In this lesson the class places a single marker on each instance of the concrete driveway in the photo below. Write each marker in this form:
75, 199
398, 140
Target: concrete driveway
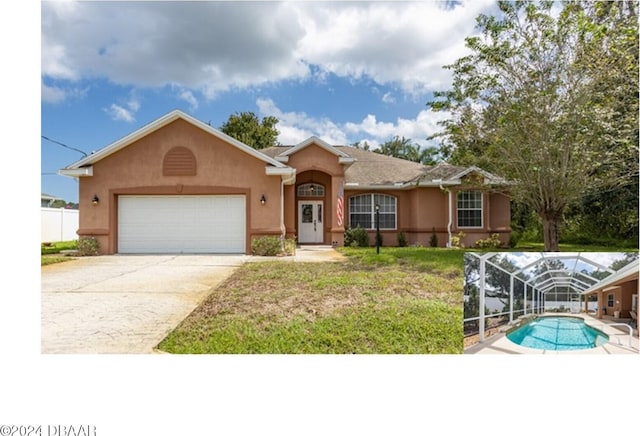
124, 304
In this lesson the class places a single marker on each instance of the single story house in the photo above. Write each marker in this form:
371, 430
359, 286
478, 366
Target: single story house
47, 200
178, 185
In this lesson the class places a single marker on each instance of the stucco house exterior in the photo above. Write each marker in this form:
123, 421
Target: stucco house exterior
617, 294
178, 185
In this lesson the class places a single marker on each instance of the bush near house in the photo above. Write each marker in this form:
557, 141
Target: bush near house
88, 246
356, 237
272, 246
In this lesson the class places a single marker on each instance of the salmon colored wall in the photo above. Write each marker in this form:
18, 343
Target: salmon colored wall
496, 218
627, 289
423, 211
617, 301
315, 164
314, 157
137, 169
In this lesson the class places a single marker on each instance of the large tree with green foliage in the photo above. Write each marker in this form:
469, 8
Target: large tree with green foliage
549, 100
247, 128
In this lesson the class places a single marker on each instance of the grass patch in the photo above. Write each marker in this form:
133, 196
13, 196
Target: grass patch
50, 253
57, 247
406, 302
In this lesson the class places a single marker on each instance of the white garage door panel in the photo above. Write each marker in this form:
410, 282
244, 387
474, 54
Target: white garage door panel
181, 224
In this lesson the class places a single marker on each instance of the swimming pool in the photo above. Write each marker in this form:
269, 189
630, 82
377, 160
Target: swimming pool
558, 333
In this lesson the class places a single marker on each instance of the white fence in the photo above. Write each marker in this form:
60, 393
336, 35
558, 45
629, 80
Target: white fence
58, 224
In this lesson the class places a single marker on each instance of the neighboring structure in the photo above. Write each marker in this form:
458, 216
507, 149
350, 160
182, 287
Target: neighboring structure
179, 185
47, 200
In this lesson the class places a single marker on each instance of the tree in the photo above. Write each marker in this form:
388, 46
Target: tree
362, 145
247, 128
533, 103
404, 148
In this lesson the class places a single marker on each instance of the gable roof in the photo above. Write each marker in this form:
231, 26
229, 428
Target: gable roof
77, 168
454, 173
343, 157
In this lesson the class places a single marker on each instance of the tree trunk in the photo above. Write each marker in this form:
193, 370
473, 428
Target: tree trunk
550, 230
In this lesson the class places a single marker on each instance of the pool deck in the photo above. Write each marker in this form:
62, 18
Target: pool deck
618, 341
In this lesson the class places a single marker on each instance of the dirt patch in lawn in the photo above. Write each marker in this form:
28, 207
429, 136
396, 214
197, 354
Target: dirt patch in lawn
282, 291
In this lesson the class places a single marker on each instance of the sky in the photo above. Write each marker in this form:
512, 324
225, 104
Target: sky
342, 71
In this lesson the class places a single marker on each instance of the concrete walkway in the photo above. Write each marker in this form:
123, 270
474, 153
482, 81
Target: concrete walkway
128, 303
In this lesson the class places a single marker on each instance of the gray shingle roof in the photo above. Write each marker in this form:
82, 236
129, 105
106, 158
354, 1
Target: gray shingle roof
370, 169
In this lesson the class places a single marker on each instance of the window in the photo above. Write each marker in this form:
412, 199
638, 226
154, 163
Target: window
310, 190
610, 300
362, 211
470, 209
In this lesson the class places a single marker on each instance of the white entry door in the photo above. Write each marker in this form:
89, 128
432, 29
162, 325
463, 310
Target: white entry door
310, 228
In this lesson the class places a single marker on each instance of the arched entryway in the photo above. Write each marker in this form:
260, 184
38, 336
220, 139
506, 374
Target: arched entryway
313, 207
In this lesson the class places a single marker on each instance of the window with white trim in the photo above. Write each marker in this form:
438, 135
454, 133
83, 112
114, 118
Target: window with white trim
469, 209
310, 190
610, 298
362, 211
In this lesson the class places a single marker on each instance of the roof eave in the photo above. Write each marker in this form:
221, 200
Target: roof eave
76, 172
161, 122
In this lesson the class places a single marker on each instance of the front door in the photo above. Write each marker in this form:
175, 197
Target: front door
310, 229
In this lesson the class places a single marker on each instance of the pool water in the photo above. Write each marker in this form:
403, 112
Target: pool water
558, 333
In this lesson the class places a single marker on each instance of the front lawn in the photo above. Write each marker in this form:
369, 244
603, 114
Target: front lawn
51, 252
404, 300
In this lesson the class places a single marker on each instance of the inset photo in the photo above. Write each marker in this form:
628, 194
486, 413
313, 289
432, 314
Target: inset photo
551, 303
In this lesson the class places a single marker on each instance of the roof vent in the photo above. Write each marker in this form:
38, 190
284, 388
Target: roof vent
179, 161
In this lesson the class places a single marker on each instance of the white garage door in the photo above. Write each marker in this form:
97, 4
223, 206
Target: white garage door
181, 224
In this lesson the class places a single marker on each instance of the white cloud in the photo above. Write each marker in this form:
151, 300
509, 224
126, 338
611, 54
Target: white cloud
118, 113
417, 129
133, 105
188, 96
388, 98
52, 94
295, 127
212, 47
125, 111
58, 94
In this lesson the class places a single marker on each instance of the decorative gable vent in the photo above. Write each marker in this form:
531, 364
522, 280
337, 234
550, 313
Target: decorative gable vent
179, 161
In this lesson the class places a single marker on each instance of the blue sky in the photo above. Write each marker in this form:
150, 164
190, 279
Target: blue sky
345, 72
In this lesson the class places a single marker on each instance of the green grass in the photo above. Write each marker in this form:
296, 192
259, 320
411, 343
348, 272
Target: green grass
50, 252
405, 301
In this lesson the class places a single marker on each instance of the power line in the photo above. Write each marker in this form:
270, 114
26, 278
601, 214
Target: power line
64, 145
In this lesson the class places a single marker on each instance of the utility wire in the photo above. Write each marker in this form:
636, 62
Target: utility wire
64, 145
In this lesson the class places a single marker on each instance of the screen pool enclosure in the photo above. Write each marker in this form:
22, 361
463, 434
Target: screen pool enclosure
509, 285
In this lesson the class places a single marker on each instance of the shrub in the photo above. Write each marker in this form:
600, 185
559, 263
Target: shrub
273, 246
289, 247
402, 240
433, 241
88, 246
491, 242
514, 238
266, 246
457, 240
356, 237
